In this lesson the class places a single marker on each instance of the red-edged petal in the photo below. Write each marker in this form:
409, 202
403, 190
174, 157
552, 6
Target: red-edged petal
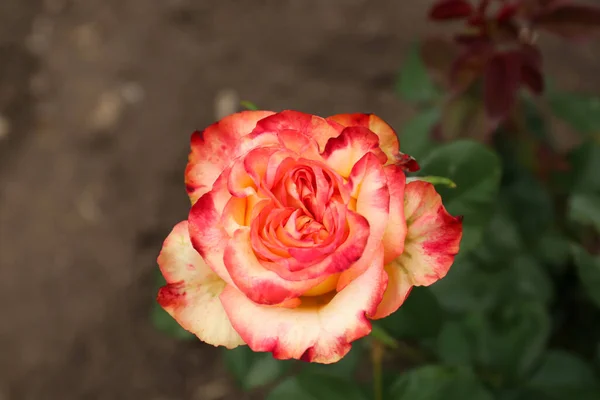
342, 152
320, 330
207, 231
192, 290
450, 9
433, 236
370, 189
397, 291
259, 284
388, 139
395, 232
309, 125
213, 149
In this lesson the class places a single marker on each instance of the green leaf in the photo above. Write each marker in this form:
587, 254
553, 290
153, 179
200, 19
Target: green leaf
248, 105
476, 171
512, 338
434, 180
414, 83
415, 138
252, 369
453, 345
588, 270
166, 324
563, 375
553, 249
439, 383
581, 111
584, 208
419, 317
316, 387
585, 161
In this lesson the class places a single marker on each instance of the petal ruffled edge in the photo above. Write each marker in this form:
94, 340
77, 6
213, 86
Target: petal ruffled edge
388, 140
320, 330
191, 295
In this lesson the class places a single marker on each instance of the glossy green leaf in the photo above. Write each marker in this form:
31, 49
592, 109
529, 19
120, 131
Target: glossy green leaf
588, 270
316, 387
476, 171
584, 208
415, 138
562, 375
453, 345
581, 111
252, 369
419, 317
439, 383
414, 83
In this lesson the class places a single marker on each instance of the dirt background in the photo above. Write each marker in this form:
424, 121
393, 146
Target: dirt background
97, 102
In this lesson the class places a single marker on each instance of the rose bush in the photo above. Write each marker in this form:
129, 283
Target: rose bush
301, 230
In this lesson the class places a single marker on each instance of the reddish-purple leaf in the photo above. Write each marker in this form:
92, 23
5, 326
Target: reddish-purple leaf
533, 79
450, 9
569, 20
506, 13
502, 77
531, 75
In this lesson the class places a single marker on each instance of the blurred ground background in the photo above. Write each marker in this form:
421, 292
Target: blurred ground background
97, 102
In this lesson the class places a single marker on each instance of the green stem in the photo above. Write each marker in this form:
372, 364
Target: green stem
377, 349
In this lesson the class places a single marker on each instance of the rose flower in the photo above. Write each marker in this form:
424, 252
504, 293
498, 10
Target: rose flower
301, 230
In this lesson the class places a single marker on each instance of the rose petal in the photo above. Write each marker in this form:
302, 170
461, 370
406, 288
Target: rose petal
370, 189
397, 291
259, 284
207, 233
192, 290
312, 332
395, 232
433, 236
213, 149
388, 140
312, 126
342, 152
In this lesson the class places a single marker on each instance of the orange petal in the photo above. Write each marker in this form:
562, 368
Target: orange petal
192, 290
388, 140
259, 284
320, 330
395, 294
213, 149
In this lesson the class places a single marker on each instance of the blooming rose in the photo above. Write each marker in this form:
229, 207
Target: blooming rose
301, 230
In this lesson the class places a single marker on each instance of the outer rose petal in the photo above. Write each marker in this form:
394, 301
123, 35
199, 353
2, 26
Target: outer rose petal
192, 290
312, 332
433, 236
397, 291
395, 232
313, 126
214, 148
388, 140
